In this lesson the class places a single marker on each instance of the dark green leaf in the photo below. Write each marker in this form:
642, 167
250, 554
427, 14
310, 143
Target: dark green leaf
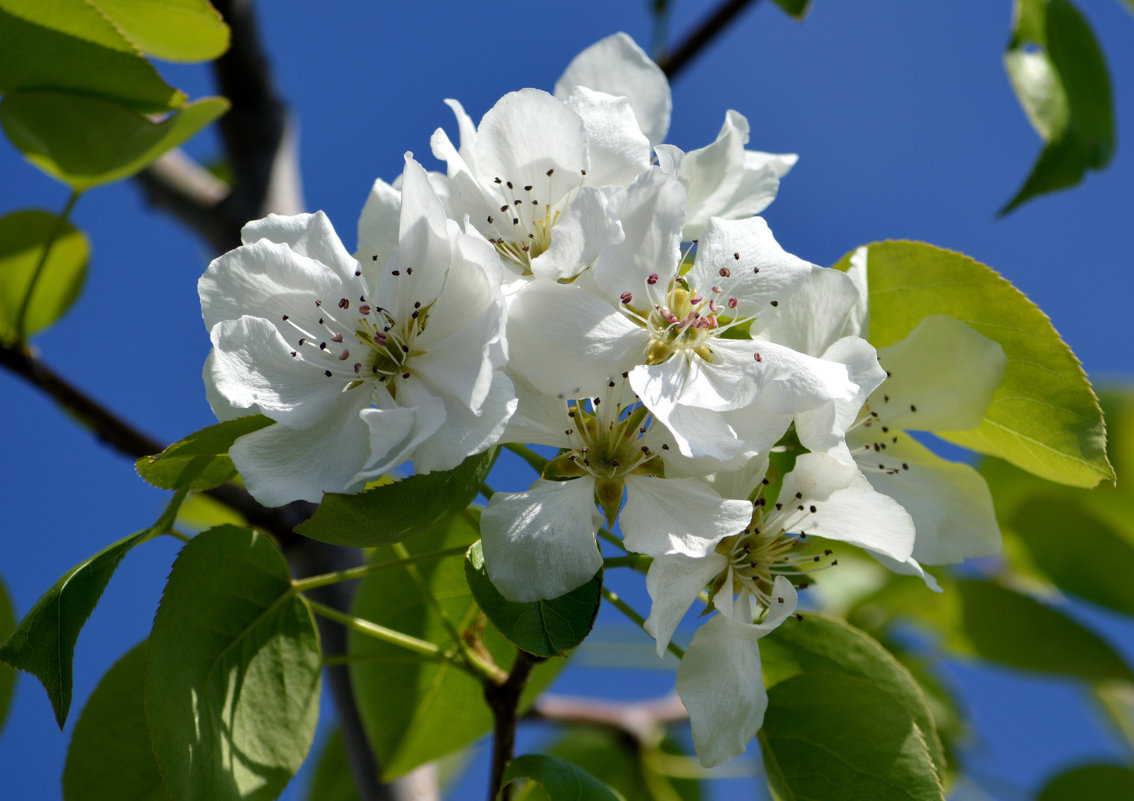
44, 643
393, 512
1044, 417
332, 780
1011, 628
1060, 77
86, 141
561, 780
796, 8
23, 235
7, 674
823, 644
109, 758
437, 707
68, 46
233, 677
831, 735
200, 461
543, 628
1096, 782
174, 30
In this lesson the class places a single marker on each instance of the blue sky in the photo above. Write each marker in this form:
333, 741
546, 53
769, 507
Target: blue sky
906, 128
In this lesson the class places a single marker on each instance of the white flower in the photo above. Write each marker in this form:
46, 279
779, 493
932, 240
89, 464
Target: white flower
361, 365
749, 576
541, 543
679, 335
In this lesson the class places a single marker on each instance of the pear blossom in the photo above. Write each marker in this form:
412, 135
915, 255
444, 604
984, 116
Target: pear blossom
751, 577
541, 543
679, 334
362, 364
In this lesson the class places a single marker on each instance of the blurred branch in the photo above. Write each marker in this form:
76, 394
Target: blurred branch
700, 38
504, 700
642, 720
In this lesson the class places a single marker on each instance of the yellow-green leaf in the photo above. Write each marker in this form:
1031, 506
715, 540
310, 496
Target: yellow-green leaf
174, 30
1045, 417
85, 141
23, 236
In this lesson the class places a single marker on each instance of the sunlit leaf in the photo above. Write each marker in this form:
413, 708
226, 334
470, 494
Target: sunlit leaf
1117, 700
823, 644
7, 674
23, 235
561, 780
543, 628
174, 30
825, 733
437, 708
69, 46
1060, 77
200, 461
233, 677
1044, 417
86, 141
1096, 782
109, 758
392, 512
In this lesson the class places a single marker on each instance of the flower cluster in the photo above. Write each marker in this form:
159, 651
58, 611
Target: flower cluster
572, 282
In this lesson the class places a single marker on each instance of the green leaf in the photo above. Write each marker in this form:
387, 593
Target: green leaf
86, 141
543, 628
561, 780
200, 461
174, 30
233, 677
797, 9
1016, 630
633, 769
1096, 782
332, 780
44, 643
862, 736
437, 707
1058, 72
823, 644
109, 758
392, 512
1117, 701
69, 46
7, 674
23, 235
1045, 417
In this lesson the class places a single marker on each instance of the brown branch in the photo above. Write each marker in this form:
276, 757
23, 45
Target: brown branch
504, 701
641, 720
700, 38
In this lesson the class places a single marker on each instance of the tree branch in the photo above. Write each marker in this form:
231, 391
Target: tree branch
700, 38
504, 701
641, 720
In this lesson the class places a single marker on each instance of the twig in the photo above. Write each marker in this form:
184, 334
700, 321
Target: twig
700, 38
639, 719
504, 700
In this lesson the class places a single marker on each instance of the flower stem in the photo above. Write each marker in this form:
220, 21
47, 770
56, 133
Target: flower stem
631, 613
382, 633
338, 576
504, 701
534, 460
636, 561
25, 304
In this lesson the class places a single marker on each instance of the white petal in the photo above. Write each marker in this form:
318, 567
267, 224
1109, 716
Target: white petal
944, 370
465, 126
617, 147
847, 507
761, 271
825, 427
678, 515
815, 316
949, 502
585, 228
251, 366
394, 432
423, 242
617, 66
566, 341
464, 432
541, 544
378, 224
674, 581
309, 235
281, 464
721, 684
